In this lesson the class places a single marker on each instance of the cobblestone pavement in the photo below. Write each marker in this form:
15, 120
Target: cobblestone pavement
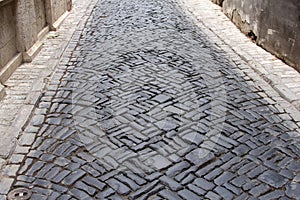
147, 107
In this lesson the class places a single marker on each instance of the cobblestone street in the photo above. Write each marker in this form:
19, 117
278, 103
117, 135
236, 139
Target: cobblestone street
148, 106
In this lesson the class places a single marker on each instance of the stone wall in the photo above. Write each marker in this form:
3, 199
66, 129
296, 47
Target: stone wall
273, 24
22, 25
8, 47
40, 14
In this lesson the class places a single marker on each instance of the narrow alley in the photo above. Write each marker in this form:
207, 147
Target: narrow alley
149, 107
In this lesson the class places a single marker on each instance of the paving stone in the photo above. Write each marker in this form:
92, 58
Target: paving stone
187, 194
171, 183
38, 196
27, 139
196, 189
213, 174
212, 195
58, 188
223, 178
177, 168
35, 167
47, 157
297, 178
256, 171
231, 162
240, 181
166, 194
292, 190
166, 125
194, 138
271, 165
259, 190
273, 179
294, 166
287, 173
82, 186
161, 98
10, 170
60, 176
5, 184
251, 184
94, 182
144, 189
26, 178
136, 178
118, 186
243, 196
54, 195
160, 162
153, 176
73, 176
233, 189
153, 192
241, 150
188, 179
200, 156
41, 183
223, 192
272, 195
105, 193
52, 173
204, 184
244, 169
79, 194
38, 120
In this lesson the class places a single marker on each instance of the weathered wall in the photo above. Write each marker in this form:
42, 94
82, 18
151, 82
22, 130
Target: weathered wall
22, 25
40, 14
26, 25
54, 9
274, 24
7, 33
60, 6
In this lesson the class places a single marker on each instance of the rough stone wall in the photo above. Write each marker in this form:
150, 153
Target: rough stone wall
26, 25
40, 14
7, 34
59, 6
274, 24
54, 9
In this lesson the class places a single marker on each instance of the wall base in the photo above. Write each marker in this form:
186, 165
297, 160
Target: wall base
10, 67
43, 33
59, 21
32, 52
2, 91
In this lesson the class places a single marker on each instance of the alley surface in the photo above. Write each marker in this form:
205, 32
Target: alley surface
147, 106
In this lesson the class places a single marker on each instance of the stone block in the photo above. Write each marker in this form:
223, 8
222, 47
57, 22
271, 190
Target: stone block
7, 52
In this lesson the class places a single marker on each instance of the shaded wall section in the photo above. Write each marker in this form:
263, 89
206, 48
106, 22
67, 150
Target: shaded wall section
274, 24
8, 47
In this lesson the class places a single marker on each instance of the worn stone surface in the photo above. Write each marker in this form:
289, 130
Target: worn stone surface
121, 108
8, 47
